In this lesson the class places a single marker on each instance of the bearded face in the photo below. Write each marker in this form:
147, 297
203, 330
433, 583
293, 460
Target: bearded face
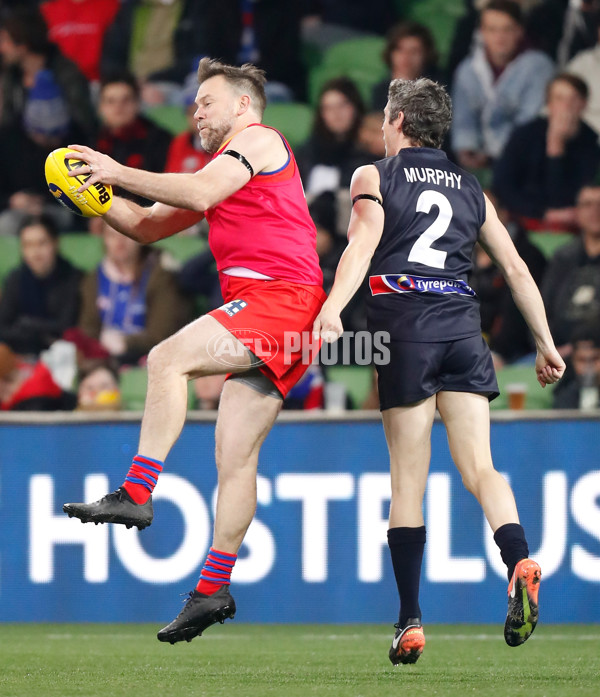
213, 132
216, 113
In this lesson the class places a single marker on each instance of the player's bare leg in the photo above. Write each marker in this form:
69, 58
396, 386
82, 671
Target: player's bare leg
245, 418
408, 434
185, 355
467, 421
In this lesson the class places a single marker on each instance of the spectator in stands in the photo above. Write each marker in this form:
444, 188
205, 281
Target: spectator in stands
308, 392
586, 65
547, 161
207, 391
44, 103
409, 53
23, 189
571, 286
161, 42
499, 86
579, 29
501, 323
198, 280
373, 17
581, 390
98, 386
126, 134
543, 28
323, 211
370, 137
38, 84
129, 303
40, 298
265, 33
329, 157
29, 386
77, 27
24, 147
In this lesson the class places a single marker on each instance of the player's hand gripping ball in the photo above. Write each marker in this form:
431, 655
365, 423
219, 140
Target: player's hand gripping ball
89, 203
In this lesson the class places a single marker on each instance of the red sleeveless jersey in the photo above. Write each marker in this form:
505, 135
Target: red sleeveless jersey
266, 226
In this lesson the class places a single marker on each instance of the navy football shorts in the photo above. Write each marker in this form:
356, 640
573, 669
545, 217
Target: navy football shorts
418, 370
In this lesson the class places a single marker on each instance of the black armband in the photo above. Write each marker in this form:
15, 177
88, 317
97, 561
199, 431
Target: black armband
241, 158
367, 196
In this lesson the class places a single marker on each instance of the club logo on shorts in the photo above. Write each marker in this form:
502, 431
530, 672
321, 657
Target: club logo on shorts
233, 307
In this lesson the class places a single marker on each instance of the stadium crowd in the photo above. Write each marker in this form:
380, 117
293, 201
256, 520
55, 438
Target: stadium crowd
120, 76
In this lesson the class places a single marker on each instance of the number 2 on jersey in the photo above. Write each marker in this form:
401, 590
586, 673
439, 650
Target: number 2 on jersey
421, 251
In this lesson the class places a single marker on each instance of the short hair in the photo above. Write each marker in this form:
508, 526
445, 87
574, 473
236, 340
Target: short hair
508, 7
246, 78
586, 332
120, 76
26, 27
44, 220
407, 29
426, 107
579, 85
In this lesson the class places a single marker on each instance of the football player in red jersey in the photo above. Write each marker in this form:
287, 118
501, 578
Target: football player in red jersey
263, 240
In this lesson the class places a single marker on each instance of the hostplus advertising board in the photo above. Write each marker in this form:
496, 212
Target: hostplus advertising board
316, 551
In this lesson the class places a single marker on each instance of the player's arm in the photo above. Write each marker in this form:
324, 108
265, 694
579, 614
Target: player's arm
149, 224
364, 233
496, 241
254, 150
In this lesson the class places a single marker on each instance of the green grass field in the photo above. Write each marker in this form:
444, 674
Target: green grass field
293, 661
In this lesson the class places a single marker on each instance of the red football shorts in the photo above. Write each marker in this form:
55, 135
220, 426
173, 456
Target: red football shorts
274, 320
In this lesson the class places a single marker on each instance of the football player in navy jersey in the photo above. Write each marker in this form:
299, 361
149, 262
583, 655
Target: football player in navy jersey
415, 219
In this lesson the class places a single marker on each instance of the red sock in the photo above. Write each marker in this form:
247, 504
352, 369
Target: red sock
216, 571
142, 477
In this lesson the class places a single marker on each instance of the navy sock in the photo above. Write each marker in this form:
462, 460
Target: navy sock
513, 545
406, 548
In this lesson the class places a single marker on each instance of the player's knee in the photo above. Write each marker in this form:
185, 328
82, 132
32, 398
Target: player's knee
470, 483
232, 459
228, 459
472, 480
158, 359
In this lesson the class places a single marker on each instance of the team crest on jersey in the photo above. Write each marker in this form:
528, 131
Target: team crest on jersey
406, 283
233, 307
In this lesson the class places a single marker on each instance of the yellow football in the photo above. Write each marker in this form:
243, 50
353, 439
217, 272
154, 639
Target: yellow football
90, 203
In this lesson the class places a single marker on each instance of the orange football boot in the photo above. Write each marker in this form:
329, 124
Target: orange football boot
408, 643
522, 613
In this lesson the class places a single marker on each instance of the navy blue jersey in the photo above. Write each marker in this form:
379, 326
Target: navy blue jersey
433, 213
